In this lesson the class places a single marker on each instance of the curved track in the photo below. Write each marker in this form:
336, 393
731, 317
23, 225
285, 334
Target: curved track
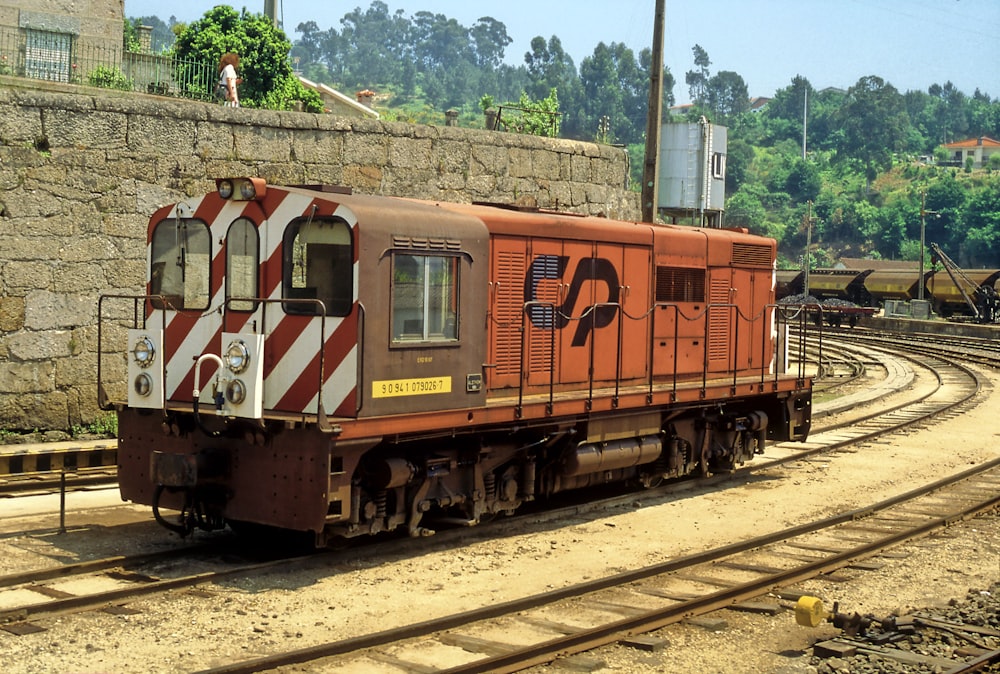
956, 387
655, 596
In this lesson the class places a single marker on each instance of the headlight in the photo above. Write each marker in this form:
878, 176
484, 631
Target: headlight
247, 190
143, 352
143, 384
236, 392
241, 189
237, 357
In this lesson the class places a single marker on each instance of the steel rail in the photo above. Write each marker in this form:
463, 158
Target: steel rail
587, 639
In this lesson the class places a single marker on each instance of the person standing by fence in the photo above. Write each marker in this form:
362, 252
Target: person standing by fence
228, 79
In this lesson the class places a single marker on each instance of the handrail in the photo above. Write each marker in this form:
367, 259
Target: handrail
103, 401
766, 317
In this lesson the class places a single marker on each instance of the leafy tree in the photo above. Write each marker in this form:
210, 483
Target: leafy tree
949, 112
945, 200
803, 181
263, 49
874, 122
550, 67
697, 80
309, 50
739, 160
130, 35
536, 118
982, 224
727, 96
489, 41
745, 208
445, 58
667, 78
784, 112
374, 47
161, 38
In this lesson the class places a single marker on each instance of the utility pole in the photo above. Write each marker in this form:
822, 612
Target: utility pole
271, 10
805, 119
650, 168
805, 258
923, 226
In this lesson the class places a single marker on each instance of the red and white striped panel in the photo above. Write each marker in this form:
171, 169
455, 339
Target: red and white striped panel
292, 342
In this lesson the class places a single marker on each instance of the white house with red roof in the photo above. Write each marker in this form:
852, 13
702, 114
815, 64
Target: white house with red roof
979, 149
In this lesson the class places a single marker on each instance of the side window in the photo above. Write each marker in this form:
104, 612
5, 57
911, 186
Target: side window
181, 263
242, 264
718, 165
318, 265
424, 298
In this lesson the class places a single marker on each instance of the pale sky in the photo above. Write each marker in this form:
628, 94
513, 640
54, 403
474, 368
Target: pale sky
911, 44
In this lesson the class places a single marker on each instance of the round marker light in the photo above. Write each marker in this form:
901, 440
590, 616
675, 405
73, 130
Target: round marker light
247, 190
237, 357
236, 392
143, 384
143, 352
225, 188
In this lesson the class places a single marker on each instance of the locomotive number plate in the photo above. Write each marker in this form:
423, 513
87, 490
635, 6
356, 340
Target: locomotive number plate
390, 388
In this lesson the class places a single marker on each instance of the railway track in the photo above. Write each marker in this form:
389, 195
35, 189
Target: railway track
613, 608
135, 577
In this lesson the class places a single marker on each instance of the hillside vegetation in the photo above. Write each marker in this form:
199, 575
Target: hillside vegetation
873, 156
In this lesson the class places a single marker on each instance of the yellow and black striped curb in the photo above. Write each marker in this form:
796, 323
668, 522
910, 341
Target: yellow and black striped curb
38, 459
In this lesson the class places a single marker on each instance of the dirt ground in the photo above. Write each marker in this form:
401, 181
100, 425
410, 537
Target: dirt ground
373, 588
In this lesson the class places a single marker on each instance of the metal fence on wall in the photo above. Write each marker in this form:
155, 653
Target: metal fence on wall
62, 57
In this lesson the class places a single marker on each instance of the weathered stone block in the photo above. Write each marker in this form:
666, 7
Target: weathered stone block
90, 129
366, 149
148, 134
256, 142
26, 377
33, 346
26, 275
11, 313
410, 153
45, 310
315, 147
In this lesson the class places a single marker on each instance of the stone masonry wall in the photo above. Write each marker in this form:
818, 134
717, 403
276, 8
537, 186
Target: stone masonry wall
81, 171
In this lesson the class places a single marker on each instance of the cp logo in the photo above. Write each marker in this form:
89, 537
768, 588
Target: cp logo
595, 269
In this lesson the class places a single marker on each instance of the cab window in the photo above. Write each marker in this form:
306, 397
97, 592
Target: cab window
180, 263
424, 298
318, 265
242, 265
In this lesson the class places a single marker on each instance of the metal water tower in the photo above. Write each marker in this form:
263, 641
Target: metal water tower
692, 187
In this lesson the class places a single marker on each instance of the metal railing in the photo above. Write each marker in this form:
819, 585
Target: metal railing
62, 57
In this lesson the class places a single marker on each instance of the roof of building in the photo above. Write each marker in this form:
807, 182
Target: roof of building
984, 141
342, 99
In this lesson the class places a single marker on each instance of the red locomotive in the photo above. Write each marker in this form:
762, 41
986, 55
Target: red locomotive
342, 364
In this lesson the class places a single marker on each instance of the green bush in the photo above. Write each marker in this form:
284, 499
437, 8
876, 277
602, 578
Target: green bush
107, 77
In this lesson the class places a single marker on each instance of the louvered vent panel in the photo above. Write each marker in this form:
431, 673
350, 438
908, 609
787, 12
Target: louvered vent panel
719, 320
678, 284
751, 254
509, 304
542, 322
